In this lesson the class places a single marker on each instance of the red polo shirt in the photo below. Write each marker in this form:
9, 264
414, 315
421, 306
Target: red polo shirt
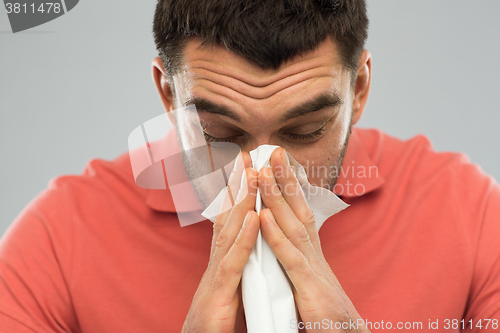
419, 244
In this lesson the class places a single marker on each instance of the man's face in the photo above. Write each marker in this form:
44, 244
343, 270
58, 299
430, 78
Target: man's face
306, 106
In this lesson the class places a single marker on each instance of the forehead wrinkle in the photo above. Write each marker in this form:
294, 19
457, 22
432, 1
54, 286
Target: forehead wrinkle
251, 113
258, 114
295, 90
207, 77
258, 95
249, 109
200, 72
264, 77
216, 98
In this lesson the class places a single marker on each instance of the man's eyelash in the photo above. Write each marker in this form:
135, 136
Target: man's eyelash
210, 138
305, 137
294, 137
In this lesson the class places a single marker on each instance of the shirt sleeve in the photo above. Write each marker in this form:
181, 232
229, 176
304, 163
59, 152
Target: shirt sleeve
35, 266
483, 311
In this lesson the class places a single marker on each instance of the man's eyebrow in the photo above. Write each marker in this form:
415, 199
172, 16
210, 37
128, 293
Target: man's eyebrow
319, 103
207, 106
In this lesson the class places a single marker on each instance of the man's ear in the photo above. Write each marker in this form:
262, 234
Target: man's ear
162, 85
362, 87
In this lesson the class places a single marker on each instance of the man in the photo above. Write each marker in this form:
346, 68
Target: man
416, 250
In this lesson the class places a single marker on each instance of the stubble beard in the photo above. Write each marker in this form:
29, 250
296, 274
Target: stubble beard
331, 181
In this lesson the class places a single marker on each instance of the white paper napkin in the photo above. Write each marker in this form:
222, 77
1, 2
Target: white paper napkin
267, 294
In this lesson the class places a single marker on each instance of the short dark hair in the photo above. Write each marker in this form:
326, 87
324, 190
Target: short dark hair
266, 32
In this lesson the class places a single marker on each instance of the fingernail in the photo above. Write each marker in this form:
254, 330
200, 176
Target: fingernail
243, 188
270, 215
268, 172
284, 157
238, 162
243, 179
247, 218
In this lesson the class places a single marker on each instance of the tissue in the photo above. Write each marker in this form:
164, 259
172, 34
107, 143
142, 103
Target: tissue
267, 294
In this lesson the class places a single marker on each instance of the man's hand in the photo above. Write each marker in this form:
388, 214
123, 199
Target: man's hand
216, 306
289, 228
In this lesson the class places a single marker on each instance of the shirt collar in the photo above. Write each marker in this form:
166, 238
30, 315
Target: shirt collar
358, 176
162, 199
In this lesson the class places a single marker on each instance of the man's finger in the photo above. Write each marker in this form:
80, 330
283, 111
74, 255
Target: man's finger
231, 228
295, 263
230, 267
292, 192
231, 192
287, 221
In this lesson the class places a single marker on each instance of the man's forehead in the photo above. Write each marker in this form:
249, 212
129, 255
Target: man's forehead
216, 58
212, 73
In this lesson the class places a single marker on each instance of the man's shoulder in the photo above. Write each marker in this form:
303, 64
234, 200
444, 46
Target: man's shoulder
75, 208
387, 149
416, 156
99, 174
414, 170
102, 184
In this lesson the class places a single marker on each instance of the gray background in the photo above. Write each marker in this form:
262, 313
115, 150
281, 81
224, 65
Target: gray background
74, 88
